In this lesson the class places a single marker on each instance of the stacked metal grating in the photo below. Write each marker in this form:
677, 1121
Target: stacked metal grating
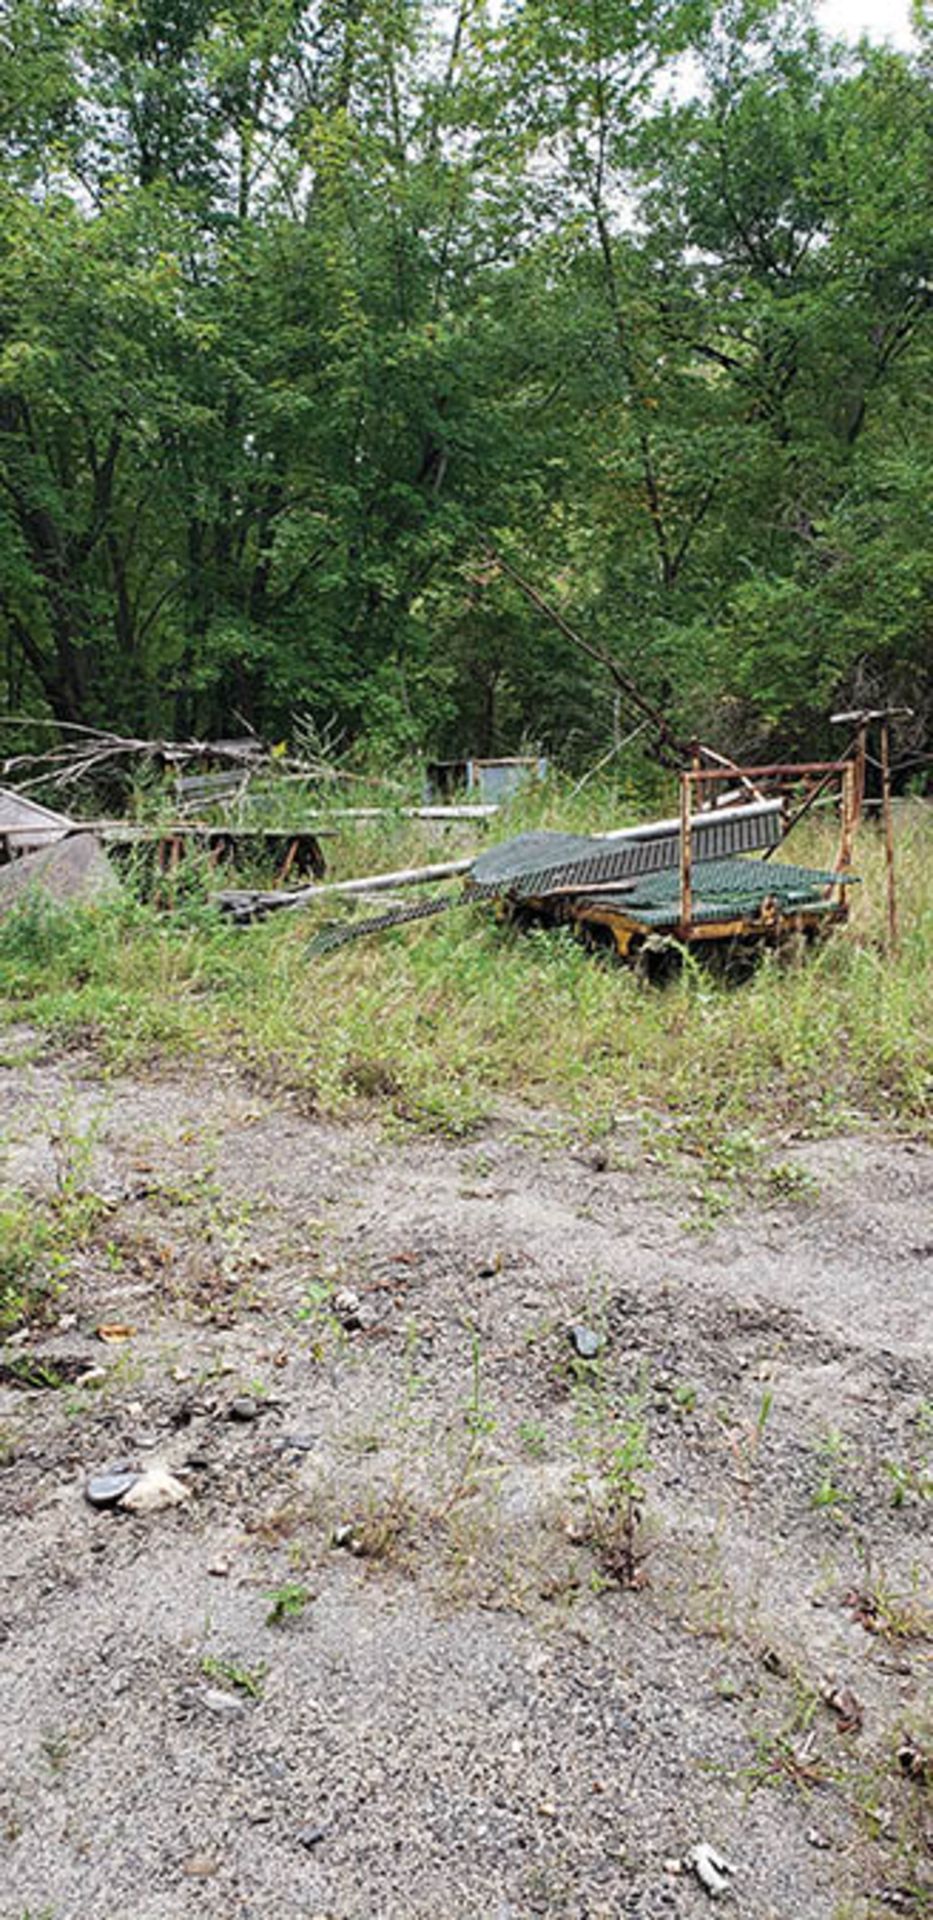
537, 864
721, 890
635, 872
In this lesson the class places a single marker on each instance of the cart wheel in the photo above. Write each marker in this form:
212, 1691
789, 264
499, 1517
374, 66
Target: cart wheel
658, 960
794, 947
597, 938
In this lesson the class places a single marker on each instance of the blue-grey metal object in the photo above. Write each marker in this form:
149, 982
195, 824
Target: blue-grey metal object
498, 780
489, 781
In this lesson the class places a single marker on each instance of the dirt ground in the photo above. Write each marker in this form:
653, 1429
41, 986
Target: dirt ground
386, 1660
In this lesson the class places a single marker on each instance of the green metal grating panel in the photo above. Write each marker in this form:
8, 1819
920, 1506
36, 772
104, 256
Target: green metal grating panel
722, 890
535, 864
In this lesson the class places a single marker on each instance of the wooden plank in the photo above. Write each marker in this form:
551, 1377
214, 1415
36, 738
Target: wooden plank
125, 833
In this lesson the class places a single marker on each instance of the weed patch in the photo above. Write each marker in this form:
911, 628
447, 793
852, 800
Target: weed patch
39, 1240
611, 1481
247, 1680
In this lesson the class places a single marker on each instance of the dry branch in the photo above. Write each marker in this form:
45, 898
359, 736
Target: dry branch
79, 753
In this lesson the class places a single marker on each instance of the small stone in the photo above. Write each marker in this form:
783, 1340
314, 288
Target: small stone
219, 1569
153, 1490
914, 1761
847, 1705
710, 1868
245, 1408
297, 1443
347, 1308
585, 1342
111, 1484
343, 1536
817, 1839
310, 1836
199, 1866
227, 1706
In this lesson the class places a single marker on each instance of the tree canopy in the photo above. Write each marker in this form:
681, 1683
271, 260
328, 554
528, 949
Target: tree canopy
309, 310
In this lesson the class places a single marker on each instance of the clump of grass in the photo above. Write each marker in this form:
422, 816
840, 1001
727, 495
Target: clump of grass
611, 1478
829, 1494
891, 1614
27, 1263
288, 1602
233, 1673
38, 1242
787, 1756
384, 1529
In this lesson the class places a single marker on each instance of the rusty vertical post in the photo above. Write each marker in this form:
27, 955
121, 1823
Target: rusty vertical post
888, 833
861, 754
686, 856
697, 771
849, 812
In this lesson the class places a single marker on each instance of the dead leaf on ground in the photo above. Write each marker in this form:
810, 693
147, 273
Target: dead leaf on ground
845, 1703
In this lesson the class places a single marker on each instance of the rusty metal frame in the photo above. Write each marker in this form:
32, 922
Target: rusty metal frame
863, 719
851, 776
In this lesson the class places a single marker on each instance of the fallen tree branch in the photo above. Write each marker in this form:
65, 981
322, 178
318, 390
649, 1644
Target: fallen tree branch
671, 749
79, 752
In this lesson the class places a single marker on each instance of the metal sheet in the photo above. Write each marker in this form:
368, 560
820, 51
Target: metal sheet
25, 825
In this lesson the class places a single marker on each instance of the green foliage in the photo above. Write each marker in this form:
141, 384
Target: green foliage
39, 1238
305, 308
829, 1495
288, 1602
232, 1673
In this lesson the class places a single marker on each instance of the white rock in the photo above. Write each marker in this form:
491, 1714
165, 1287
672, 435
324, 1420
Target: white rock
225, 1705
710, 1868
156, 1488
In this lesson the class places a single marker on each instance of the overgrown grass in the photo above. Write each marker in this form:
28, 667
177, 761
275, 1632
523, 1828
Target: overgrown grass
435, 1024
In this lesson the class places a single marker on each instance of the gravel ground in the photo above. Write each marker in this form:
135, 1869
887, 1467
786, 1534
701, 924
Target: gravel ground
353, 1348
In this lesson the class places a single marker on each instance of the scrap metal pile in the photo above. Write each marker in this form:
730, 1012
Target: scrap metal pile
706, 879
689, 880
